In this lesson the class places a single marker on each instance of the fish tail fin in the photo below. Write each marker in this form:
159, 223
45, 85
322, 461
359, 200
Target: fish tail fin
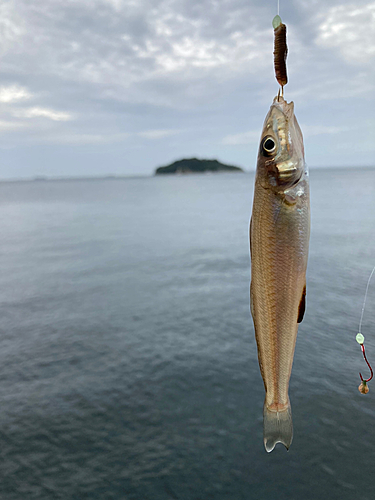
277, 426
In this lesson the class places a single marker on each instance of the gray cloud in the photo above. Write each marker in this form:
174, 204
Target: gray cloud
143, 82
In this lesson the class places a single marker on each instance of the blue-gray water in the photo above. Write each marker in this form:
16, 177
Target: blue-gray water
128, 365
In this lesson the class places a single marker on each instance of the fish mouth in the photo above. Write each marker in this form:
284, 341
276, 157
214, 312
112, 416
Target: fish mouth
287, 108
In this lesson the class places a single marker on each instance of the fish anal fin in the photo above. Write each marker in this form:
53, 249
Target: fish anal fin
302, 305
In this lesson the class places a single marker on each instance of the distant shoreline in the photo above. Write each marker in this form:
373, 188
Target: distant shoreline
41, 179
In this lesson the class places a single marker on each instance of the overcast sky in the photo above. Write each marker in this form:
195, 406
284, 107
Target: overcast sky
99, 87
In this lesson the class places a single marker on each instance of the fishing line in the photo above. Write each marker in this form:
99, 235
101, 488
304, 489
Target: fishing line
364, 301
363, 388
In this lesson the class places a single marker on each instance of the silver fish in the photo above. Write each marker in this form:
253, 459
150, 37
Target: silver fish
279, 243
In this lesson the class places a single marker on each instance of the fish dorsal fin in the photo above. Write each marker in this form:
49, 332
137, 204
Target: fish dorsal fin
302, 305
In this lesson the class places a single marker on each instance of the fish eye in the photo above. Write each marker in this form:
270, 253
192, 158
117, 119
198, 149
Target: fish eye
268, 146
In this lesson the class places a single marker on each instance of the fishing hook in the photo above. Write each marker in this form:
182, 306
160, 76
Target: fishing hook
368, 364
360, 339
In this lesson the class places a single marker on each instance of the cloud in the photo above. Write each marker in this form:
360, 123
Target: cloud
88, 42
75, 138
249, 137
37, 112
6, 125
253, 136
133, 73
350, 29
14, 93
157, 134
12, 26
107, 138
311, 130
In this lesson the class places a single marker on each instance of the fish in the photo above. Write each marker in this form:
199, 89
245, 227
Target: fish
279, 245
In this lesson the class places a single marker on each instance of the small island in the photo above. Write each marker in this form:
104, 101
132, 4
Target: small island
195, 166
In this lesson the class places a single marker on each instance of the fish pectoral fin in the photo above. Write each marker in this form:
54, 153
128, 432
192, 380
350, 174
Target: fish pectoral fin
302, 305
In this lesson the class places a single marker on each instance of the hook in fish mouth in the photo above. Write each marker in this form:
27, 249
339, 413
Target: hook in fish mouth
280, 93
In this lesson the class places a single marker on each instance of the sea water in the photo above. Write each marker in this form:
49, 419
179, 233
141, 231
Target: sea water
128, 364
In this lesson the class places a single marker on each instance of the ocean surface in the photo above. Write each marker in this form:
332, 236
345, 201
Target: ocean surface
128, 364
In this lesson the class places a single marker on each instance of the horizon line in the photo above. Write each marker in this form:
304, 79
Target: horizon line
46, 178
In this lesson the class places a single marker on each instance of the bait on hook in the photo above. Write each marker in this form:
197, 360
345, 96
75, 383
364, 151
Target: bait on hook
280, 52
363, 387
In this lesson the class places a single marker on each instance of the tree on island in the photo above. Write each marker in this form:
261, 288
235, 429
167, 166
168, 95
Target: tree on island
193, 165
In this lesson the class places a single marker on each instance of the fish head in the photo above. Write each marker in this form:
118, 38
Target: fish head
281, 161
